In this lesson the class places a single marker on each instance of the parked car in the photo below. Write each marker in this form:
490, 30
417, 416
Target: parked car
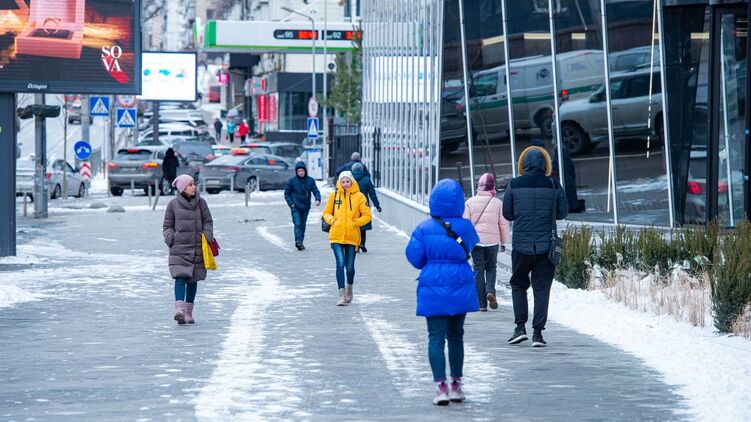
584, 122
165, 141
143, 167
633, 58
696, 188
259, 172
178, 129
194, 151
74, 113
25, 169
221, 150
288, 150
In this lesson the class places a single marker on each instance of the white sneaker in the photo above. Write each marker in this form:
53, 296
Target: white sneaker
441, 395
455, 392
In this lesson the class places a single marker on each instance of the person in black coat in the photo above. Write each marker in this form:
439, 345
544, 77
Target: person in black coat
528, 203
218, 129
169, 167
297, 194
348, 166
367, 189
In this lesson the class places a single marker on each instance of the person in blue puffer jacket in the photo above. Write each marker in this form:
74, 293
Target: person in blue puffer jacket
446, 286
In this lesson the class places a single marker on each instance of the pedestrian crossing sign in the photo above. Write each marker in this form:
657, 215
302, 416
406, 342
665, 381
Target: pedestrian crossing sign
100, 106
126, 117
313, 127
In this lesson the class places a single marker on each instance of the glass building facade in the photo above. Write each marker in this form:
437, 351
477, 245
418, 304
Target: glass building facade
458, 88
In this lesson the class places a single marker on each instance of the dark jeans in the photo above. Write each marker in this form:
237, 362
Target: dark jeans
185, 290
231, 137
485, 261
363, 236
218, 135
299, 219
242, 138
441, 329
542, 271
345, 258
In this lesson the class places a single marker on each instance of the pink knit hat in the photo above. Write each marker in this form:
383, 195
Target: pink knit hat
486, 183
182, 182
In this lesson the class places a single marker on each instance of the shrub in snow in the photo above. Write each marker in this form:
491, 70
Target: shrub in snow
742, 324
654, 250
575, 268
731, 278
696, 246
617, 248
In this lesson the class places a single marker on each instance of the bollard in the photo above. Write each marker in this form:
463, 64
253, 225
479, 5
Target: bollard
156, 199
247, 192
132, 187
149, 190
25, 197
202, 182
232, 184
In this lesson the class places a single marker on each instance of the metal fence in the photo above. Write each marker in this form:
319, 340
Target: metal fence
345, 139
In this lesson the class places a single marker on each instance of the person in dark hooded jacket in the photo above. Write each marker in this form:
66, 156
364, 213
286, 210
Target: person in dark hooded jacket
528, 203
367, 189
297, 194
169, 167
354, 159
446, 289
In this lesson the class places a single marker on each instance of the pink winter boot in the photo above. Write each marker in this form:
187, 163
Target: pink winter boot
180, 312
189, 313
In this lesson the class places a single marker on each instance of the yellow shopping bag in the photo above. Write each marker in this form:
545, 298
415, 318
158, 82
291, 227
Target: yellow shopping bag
208, 258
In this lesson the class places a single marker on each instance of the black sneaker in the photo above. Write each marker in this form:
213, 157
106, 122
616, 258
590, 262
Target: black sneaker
537, 340
363, 249
520, 335
299, 246
302, 247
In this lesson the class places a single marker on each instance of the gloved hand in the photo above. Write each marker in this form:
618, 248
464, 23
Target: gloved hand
379, 209
503, 248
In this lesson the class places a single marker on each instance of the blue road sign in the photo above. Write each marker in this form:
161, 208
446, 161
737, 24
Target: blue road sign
82, 150
99, 106
126, 117
313, 127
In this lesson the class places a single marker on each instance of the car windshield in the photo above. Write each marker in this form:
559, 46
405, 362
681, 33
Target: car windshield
193, 149
293, 151
133, 155
228, 160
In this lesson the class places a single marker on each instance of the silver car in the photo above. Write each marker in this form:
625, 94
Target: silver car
259, 172
141, 168
53, 178
584, 122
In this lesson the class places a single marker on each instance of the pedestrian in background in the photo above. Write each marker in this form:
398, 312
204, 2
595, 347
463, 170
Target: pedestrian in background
440, 248
218, 129
243, 130
367, 189
170, 164
346, 211
532, 201
354, 159
485, 211
231, 129
297, 193
186, 217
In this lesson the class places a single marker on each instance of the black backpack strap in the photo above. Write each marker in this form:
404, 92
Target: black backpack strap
452, 234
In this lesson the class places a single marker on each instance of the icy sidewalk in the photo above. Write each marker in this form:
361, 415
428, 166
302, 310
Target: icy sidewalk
269, 343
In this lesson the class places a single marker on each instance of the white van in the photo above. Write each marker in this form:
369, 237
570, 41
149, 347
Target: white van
579, 74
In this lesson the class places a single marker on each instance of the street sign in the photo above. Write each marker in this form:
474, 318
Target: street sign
71, 98
313, 127
82, 149
85, 171
312, 107
100, 106
126, 101
126, 117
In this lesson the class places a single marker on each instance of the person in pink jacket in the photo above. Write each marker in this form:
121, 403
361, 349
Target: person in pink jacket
485, 211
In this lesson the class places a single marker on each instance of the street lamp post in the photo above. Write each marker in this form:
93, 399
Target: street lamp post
314, 35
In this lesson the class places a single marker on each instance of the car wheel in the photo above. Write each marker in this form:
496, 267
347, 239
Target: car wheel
545, 123
252, 183
213, 191
575, 139
116, 191
81, 191
57, 192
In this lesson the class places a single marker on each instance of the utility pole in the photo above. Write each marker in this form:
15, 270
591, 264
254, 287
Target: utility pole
40, 186
85, 118
8, 139
65, 148
325, 122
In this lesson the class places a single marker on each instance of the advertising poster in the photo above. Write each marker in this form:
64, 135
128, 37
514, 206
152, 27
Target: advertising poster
59, 46
168, 76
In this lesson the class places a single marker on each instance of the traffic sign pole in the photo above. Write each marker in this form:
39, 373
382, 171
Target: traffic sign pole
65, 147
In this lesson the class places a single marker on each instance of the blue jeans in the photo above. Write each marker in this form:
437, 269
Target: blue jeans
345, 258
185, 290
299, 219
440, 329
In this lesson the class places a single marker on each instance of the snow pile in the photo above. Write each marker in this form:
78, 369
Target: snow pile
710, 371
21, 259
10, 294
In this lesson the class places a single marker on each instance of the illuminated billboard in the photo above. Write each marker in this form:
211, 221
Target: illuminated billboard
60, 46
168, 76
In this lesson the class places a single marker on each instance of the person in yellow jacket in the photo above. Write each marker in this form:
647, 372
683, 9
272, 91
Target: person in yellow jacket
346, 211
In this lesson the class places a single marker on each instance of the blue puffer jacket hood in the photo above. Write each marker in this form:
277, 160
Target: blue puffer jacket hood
446, 285
447, 199
301, 165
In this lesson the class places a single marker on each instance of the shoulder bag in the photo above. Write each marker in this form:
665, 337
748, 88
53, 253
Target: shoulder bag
556, 243
326, 227
452, 234
213, 245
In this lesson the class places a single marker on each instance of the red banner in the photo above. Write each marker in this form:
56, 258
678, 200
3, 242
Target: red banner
263, 109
